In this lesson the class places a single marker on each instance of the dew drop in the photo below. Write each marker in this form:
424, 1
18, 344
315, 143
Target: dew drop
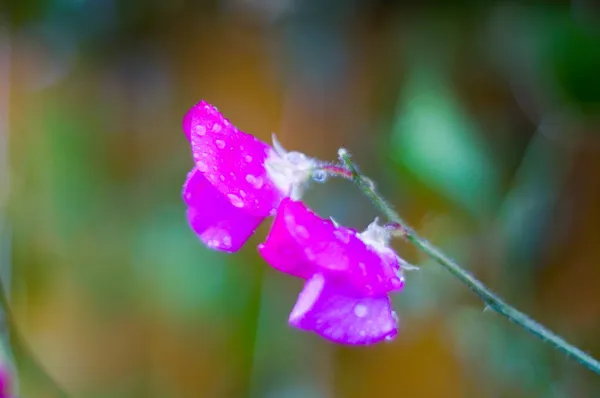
319, 176
200, 130
395, 316
226, 241
222, 177
235, 200
201, 166
360, 310
248, 158
212, 243
342, 235
389, 338
302, 232
220, 144
296, 157
310, 255
256, 182
363, 269
242, 193
216, 128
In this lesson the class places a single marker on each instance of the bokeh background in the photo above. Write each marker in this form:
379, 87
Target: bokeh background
479, 121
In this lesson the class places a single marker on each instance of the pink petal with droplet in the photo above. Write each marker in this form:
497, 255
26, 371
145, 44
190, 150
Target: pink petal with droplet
231, 160
301, 244
205, 118
216, 221
342, 318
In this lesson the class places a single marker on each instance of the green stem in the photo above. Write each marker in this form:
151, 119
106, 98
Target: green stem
489, 298
22, 351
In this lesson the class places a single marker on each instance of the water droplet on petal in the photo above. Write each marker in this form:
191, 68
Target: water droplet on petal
363, 269
389, 338
248, 158
235, 200
242, 193
360, 310
395, 316
227, 241
216, 127
342, 234
222, 177
200, 130
256, 182
302, 232
220, 144
201, 166
310, 255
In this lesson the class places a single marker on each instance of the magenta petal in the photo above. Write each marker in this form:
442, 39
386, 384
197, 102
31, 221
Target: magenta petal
203, 118
342, 318
232, 161
301, 243
282, 252
216, 221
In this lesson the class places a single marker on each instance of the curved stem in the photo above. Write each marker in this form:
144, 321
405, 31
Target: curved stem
489, 298
22, 349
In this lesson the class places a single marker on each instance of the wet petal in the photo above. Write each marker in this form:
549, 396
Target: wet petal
231, 160
205, 118
219, 223
334, 314
301, 243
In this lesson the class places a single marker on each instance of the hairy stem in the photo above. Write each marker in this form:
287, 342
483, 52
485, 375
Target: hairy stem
492, 301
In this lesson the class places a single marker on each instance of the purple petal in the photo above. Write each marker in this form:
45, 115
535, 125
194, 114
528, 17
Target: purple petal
301, 243
232, 161
216, 221
341, 318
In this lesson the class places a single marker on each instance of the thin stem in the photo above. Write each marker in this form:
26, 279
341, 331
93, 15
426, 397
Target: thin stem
23, 351
489, 298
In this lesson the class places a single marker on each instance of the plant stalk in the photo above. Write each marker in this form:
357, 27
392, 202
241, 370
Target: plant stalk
350, 171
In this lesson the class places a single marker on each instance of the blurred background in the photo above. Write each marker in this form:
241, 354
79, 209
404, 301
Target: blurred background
480, 122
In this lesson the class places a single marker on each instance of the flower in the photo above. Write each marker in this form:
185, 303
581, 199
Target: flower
348, 274
237, 180
5, 381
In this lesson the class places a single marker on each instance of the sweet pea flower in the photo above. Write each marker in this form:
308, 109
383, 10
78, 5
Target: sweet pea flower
237, 180
5, 381
348, 275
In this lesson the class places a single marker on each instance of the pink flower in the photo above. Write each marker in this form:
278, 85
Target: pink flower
348, 275
237, 180
5, 382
